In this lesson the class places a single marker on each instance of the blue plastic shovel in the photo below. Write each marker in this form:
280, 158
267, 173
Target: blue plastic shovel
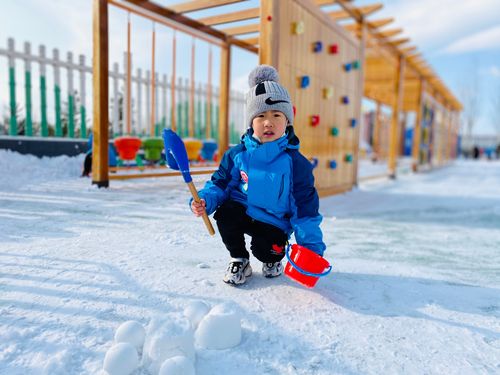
176, 155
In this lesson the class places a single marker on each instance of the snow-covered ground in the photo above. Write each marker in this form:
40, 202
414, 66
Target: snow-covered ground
415, 287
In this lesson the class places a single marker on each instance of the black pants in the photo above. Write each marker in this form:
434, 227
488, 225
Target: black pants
268, 242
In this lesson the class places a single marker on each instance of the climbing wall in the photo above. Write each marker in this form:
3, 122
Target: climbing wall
320, 65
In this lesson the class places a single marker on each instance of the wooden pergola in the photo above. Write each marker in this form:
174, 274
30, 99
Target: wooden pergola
394, 73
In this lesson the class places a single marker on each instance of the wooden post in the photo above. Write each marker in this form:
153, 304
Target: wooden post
225, 77
127, 102
100, 94
417, 131
191, 91
396, 108
115, 120
139, 100
358, 108
164, 101
376, 131
269, 33
153, 85
149, 113
172, 85
208, 123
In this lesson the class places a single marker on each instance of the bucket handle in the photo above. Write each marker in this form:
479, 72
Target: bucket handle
307, 273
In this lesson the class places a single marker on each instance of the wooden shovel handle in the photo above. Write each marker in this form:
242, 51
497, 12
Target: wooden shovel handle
196, 198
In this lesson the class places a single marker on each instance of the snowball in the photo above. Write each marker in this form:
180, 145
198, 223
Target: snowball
219, 329
195, 311
178, 365
132, 332
121, 359
170, 337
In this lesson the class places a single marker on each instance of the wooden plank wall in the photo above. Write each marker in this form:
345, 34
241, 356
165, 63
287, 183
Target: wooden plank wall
326, 70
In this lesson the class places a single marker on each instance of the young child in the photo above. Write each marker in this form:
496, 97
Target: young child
264, 187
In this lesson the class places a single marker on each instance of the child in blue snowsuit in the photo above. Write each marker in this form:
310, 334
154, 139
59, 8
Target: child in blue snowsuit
264, 186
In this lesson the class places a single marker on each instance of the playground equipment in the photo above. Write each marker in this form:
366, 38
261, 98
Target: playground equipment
152, 149
193, 148
326, 67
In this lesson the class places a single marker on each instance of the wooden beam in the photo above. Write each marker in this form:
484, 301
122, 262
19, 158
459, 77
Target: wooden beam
408, 50
253, 41
400, 41
220, 19
153, 11
388, 33
239, 30
225, 86
100, 68
369, 9
195, 5
380, 23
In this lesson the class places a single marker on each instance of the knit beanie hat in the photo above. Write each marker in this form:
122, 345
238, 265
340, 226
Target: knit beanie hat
266, 94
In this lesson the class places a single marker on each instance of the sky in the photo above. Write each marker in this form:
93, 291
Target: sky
459, 39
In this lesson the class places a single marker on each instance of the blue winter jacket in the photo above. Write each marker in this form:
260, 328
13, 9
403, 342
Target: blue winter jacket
274, 181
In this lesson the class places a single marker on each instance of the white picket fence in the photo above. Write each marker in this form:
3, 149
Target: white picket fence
71, 117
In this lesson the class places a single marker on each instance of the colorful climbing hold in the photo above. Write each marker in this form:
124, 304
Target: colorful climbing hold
317, 46
314, 120
304, 81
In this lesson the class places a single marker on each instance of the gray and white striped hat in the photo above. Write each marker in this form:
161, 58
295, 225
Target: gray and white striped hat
266, 94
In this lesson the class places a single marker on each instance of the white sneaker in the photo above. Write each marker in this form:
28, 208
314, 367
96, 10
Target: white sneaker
272, 269
237, 271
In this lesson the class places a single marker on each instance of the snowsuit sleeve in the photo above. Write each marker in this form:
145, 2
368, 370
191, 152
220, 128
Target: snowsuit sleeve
217, 190
306, 218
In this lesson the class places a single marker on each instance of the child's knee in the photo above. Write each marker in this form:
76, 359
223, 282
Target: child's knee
268, 252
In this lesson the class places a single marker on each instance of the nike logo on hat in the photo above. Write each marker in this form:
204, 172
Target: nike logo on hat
269, 101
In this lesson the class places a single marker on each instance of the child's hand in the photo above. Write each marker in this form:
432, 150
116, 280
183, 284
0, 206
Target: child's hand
198, 208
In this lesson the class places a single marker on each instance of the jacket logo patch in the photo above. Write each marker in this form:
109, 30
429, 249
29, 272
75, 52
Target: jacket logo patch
244, 177
277, 249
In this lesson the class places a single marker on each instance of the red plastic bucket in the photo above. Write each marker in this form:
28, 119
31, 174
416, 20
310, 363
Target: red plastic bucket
305, 266
127, 147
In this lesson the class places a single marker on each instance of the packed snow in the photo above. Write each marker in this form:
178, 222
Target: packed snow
415, 286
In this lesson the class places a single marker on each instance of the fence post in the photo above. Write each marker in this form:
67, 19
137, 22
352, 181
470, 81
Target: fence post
156, 106
180, 115
43, 93
127, 98
57, 91
71, 98
28, 130
198, 122
139, 98
185, 108
12, 86
164, 102
148, 101
116, 112
83, 116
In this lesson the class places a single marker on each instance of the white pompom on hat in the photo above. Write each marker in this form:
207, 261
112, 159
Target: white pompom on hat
266, 94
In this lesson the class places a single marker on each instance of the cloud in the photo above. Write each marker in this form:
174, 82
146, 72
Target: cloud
483, 40
494, 71
431, 24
